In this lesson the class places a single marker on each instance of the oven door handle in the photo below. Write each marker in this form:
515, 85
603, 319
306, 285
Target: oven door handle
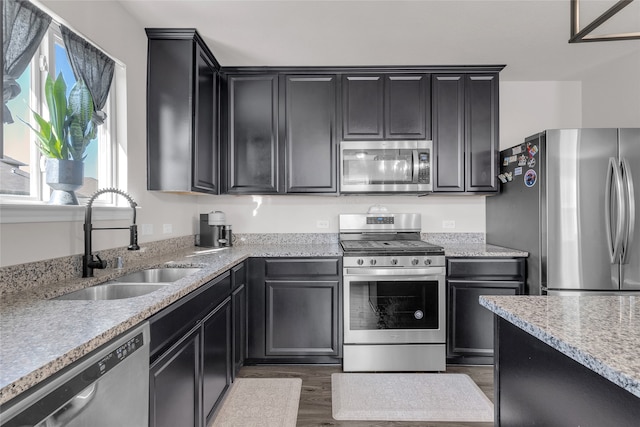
399, 272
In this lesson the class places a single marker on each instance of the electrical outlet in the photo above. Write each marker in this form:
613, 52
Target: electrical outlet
322, 224
146, 229
449, 224
167, 228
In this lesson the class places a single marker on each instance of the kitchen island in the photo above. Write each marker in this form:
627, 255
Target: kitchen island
566, 360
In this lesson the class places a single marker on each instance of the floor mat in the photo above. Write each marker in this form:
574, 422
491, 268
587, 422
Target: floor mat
263, 402
409, 397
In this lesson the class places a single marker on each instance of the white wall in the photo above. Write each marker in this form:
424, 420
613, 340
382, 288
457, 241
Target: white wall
299, 214
530, 107
611, 93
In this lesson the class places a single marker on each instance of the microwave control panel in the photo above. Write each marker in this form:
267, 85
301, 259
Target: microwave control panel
424, 173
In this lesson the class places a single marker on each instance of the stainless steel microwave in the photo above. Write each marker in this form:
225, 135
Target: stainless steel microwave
385, 166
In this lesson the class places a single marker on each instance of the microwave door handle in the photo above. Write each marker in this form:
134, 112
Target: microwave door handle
416, 167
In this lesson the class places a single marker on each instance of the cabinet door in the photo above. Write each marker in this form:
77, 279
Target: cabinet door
310, 134
205, 145
174, 385
470, 326
169, 93
252, 134
239, 311
301, 318
216, 358
363, 107
481, 132
448, 132
407, 109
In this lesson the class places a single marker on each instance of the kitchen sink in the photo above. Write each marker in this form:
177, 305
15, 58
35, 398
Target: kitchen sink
111, 291
157, 275
131, 285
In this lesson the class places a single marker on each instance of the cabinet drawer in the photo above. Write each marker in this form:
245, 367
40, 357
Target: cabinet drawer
168, 325
302, 267
487, 268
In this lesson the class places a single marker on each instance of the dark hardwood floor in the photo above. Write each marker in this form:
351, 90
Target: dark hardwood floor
315, 399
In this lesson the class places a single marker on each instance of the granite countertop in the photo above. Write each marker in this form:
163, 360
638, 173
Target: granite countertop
480, 250
41, 336
600, 332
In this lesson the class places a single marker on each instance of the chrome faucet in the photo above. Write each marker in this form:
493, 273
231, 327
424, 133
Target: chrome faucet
88, 262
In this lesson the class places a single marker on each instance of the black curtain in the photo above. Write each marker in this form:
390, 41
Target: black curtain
92, 66
24, 26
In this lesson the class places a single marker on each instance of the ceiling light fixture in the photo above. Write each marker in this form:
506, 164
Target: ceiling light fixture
578, 35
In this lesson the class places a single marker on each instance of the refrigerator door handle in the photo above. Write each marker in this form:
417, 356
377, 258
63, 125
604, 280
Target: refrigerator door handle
614, 242
630, 212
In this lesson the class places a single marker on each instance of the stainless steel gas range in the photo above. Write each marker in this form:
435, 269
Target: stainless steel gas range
394, 295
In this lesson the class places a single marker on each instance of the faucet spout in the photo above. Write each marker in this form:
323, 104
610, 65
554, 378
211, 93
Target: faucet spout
88, 262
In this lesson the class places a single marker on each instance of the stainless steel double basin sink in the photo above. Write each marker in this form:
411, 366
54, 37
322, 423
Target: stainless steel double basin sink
131, 285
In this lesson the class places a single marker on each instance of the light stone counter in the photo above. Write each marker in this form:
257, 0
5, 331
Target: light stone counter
600, 332
480, 250
40, 336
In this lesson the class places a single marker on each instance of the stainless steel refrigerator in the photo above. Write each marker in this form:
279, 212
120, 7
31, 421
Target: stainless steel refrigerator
568, 197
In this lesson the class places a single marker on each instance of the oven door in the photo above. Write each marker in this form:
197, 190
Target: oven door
394, 305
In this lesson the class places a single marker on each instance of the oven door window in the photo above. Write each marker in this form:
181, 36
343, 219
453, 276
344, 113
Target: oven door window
393, 305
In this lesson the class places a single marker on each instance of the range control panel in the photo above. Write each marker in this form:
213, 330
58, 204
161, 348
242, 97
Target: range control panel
394, 261
380, 220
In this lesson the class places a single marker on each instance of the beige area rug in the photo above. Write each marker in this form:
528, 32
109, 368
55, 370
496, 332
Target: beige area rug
261, 402
409, 397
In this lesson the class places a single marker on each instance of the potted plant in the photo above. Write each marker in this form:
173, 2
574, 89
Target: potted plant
63, 139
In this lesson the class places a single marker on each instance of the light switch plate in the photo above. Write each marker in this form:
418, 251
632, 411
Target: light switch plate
167, 228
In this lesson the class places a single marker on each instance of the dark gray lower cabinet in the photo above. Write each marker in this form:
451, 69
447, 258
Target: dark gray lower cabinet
216, 358
191, 355
469, 325
239, 321
174, 384
295, 313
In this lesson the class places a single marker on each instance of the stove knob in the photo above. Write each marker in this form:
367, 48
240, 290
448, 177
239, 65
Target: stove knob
372, 262
394, 261
414, 261
360, 261
427, 261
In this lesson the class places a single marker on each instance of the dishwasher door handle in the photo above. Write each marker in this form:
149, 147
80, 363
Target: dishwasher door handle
72, 409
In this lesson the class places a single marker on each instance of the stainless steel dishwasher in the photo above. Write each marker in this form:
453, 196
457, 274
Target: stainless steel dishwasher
109, 387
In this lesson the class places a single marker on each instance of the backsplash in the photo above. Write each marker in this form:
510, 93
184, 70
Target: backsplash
23, 276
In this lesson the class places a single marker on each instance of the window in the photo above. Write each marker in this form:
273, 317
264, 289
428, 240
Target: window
21, 165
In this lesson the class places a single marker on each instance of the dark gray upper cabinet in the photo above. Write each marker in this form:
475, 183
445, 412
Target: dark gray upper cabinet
465, 132
448, 132
481, 133
385, 106
407, 108
362, 107
310, 133
281, 134
252, 151
182, 113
